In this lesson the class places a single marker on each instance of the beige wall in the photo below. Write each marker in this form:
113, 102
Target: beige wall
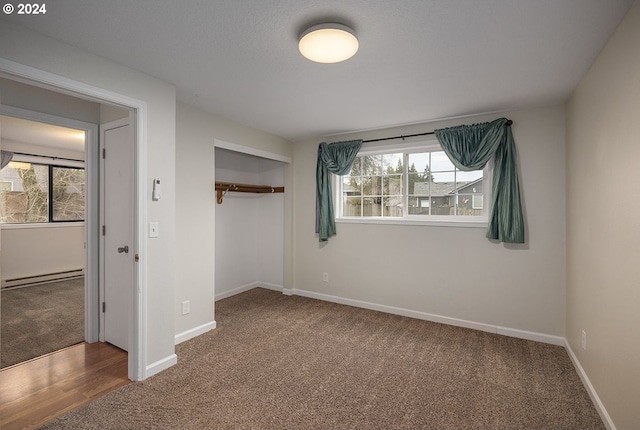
603, 223
112, 113
30, 49
417, 268
37, 99
39, 250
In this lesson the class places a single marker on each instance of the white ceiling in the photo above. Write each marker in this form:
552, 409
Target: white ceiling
419, 60
40, 134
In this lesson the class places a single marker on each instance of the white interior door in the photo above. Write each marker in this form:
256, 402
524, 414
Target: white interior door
117, 234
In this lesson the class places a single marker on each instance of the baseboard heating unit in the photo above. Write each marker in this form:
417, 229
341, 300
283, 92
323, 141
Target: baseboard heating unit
27, 281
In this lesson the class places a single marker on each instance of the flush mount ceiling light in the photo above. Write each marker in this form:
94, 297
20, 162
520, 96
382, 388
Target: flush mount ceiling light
328, 43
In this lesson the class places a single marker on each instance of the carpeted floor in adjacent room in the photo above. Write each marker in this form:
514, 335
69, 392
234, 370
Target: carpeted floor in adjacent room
281, 362
40, 319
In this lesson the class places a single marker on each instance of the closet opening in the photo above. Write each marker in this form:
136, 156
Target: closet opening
249, 225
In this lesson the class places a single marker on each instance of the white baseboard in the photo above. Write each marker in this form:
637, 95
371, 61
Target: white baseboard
269, 286
160, 365
196, 331
538, 337
248, 287
235, 291
531, 335
608, 422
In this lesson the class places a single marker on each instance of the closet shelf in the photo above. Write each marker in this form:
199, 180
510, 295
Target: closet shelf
223, 188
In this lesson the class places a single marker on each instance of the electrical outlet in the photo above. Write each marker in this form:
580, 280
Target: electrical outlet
186, 307
584, 340
325, 277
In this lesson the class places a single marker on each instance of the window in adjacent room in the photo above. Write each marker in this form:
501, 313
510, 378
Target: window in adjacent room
41, 193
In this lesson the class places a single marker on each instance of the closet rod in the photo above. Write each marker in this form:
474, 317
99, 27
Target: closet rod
509, 122
223, 188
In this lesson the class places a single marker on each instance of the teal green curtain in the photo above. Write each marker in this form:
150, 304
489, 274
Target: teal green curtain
470, 147
334, 158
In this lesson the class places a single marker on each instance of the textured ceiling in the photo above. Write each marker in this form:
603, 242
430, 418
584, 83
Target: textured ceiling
419, 60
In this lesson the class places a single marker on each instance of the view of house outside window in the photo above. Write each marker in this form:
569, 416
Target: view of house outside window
39, 193
410, 184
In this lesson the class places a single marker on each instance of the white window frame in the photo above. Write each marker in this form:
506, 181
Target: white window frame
425, 145
45, 161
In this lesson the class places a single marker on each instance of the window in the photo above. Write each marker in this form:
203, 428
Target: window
417, 183
41, 193
67, 193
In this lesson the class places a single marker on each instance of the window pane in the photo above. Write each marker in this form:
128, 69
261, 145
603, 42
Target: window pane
469, 189
392, 206
393, 185
372, 185
443, 205
416, 183
352, 206
466, 205
392, 163
477, 201
443, 177
24, 194
419, 205
419, 162
68, 194
351, 186
371, 165
440, 161
372, 206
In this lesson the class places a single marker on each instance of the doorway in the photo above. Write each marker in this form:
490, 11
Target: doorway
137, 295
42, 210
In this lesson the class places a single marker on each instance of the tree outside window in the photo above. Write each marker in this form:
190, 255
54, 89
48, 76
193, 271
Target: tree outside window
38, 193
410, 183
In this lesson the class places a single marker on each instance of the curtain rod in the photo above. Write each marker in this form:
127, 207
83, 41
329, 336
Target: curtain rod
47, 156
509, 122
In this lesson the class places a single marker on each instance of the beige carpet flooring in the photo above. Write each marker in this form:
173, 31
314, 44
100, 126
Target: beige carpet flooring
279, 362
41, 319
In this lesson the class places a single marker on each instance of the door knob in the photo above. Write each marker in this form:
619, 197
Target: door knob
124, 249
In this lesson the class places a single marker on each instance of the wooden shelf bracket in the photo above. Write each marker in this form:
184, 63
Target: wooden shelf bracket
223, 188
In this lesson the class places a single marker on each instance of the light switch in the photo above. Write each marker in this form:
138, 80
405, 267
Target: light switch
154, 229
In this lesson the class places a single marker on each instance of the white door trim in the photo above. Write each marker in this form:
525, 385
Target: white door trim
31, 75
223, 144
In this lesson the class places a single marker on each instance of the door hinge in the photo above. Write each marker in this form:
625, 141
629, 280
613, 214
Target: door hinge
104, 153
104, 230
104, 306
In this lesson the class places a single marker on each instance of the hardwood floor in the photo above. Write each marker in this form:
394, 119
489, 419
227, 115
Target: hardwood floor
42, 389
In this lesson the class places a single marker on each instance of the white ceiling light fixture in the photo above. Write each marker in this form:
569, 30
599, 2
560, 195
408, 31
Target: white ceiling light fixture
328, 43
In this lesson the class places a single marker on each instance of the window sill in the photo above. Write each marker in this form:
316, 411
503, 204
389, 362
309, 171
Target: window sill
476, 223
41, 225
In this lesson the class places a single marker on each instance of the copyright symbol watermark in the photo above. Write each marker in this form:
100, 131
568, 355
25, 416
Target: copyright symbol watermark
8, 8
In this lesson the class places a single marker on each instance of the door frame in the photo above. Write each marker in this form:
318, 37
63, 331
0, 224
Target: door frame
138, 119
